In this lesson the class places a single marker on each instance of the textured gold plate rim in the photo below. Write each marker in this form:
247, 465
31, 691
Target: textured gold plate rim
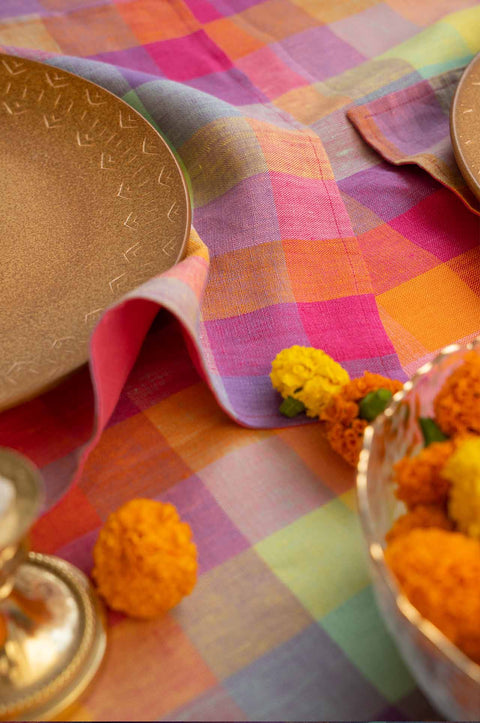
457, 141
180, 167
22, 395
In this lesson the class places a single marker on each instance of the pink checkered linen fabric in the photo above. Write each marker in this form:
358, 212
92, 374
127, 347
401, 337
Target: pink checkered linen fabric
328, 212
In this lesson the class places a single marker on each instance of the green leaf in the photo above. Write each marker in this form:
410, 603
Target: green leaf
374, 404
431, 431
290, 407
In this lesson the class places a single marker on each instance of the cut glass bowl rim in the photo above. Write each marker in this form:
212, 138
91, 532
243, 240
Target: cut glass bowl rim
375, 549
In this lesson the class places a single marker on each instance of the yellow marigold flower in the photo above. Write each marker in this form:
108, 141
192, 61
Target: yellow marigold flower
145, 560
462, 470
317, 393
309, 375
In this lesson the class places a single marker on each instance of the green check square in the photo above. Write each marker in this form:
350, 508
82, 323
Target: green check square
132, 99
319, 557
440, 44
356, 626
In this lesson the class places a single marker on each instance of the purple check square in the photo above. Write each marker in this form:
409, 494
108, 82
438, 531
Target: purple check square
247, 344
389, 190
15, 8
214, 705
412, 121
264, 487
307, 678
216, 536
256, 402
230, 85
79, 552
374, 30
228, 230
229, 7
124, 410
317, 53
388, 366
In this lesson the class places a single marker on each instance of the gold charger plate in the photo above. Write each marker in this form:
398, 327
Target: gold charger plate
465, 125
92, 203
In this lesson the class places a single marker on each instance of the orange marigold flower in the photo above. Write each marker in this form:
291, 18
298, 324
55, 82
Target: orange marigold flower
346, 439
419, 479
358, 388
439, 571
145, 560
341, 424
421, 516
457, 404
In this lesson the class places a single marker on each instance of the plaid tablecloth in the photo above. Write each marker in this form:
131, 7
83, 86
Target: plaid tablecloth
328, 212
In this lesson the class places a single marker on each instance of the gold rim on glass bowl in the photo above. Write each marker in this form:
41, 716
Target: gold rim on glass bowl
448, 677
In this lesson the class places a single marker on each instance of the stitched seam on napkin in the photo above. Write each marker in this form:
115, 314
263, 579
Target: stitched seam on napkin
363, 120
408, 101
377, 140
332, 208
415, 95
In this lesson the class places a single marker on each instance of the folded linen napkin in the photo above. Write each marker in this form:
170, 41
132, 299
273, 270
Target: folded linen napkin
411, 126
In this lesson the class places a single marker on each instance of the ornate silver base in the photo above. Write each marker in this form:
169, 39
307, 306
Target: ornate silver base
53, 641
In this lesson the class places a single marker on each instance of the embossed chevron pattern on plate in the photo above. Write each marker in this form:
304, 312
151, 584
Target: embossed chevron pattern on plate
92, 204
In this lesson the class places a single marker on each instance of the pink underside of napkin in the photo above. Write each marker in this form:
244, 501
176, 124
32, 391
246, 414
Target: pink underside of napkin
118, 338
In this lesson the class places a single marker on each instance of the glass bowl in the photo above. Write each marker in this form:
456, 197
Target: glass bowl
449, 679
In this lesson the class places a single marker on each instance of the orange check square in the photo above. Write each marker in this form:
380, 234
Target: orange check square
422, 13
274, 20
327, 11
408, 348
92, 30
308, 105
28, 34
151, 20
437, 307
132, 459
327, 269
269, 73
246, 280
312, 447
298, 152
151, 668
197, 429
234, 41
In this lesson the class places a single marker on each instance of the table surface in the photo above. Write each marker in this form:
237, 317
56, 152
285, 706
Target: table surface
305, 235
